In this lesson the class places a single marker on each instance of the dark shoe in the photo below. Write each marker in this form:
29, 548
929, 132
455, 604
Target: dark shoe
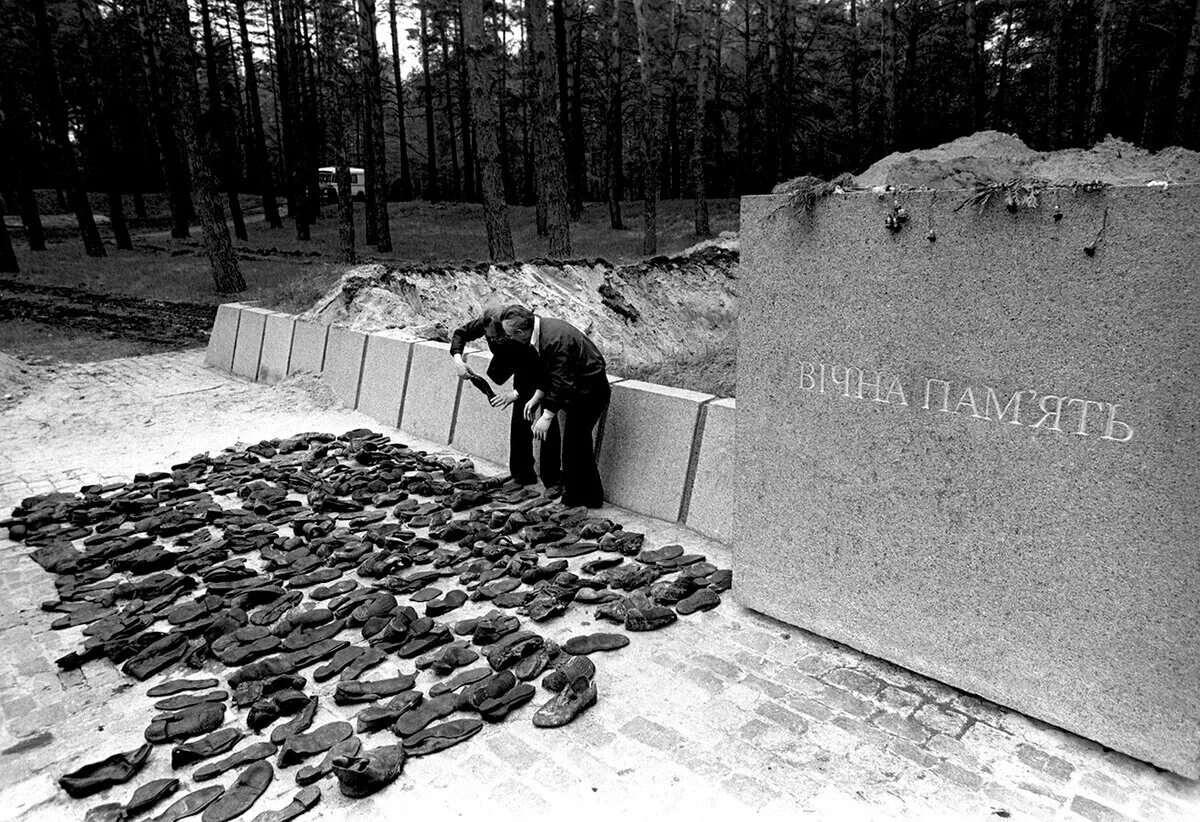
369, 659
569, 703
184, 701
190, 805
186, 724
251, 753
215, 744
301, 722
591, 643
378, 717
175, 686
301, 746
512, 648
339, 663
370, 771
371, 690
649, 619
448, 658
243, 793
98, 776
315, 773
567, 671
702, 600
441, 736
429, 710
462, 679
494, 710
301, 803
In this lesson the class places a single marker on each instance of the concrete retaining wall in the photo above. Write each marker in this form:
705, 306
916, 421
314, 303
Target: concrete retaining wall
664, 452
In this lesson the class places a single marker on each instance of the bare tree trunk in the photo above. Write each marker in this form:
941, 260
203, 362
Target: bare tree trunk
551, 164
480, 54
57, 106
225, 155
1000, 116
448, 93
15, 131
1096, 121
976, 82
406, 186
613, 131
284, 23
226, 275
260, 161
375, 131
333, 113
855, 82
432, 192
650, 19
709, 18
464, 116
1187, 107
500, 8
889, 75
370, 145
564, 110
1058, 87
577, 144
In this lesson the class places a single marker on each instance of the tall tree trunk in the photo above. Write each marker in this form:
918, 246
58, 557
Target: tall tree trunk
480, 58
369, 145
577, 145
613, 131
889, 75
563, 108
57, 107
312, 137
448, 84
16, 155
8, 256
406, 186
100, 123
286, 33
746, 116
432, 192
464, 115
226, 275
1058, 83
976, 82
855, 71
1096, 122
1187, 106
374, 122
531, 175
225, 157
500, 9
259, 159
333, 114
548, 133
709, 17
1000, 116
650, 19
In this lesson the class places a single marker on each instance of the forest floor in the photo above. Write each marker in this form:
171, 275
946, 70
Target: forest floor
66, 307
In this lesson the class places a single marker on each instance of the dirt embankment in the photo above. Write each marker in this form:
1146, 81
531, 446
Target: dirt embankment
993, 157
642, 313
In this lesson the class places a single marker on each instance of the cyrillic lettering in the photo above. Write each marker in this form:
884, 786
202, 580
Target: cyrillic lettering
822, 378
845, 384
945, 395
1047, 413
896, 388
862, 384
807, 380
968, 399
1113, 422
1083, 413
1014, 403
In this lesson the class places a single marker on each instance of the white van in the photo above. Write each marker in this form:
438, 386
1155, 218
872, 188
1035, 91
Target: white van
328, 183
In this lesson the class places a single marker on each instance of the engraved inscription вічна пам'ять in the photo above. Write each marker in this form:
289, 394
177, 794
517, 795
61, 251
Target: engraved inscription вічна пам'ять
1053, 412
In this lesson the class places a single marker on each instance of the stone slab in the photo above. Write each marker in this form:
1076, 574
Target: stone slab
384, 376
249, 342
1046, 562
432, 394
647, 446
710, 502
276, 347
308, 347
480, 429
343, 363
223, 339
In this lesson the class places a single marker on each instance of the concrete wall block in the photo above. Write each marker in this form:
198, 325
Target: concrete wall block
223, 339
249, 342
711, 501
432, 394
647, 446
308, 347
479, 429
343, 363
384, 377
276, 347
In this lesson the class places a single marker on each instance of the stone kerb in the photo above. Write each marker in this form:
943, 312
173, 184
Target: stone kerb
975, 456
308, 347
223, 339
710, 501
276, 347
647, 446
385, 376
246, 353
431, 399
343, 363
480, 429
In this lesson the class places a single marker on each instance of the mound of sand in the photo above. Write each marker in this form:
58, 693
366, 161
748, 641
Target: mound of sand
639, 313
992, 157
15, 377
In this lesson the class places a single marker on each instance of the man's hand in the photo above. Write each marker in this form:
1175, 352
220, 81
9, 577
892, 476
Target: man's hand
531, 407
542, 426
504, 399
460, 367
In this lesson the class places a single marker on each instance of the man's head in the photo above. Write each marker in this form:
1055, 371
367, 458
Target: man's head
517, 321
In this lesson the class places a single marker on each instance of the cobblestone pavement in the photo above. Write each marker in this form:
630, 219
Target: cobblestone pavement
724, 712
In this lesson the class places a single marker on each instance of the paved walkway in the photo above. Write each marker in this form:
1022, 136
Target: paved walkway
723, 712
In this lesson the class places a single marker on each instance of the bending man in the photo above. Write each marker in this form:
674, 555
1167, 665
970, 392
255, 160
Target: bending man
574, 382
521, 362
